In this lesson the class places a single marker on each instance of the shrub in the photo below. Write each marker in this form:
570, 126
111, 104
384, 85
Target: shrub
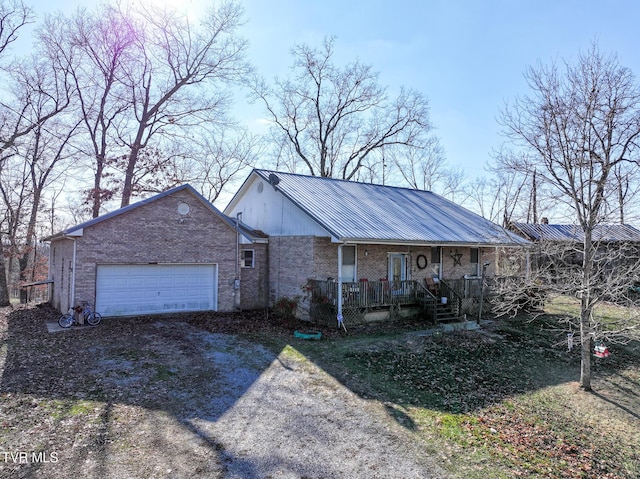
286, 307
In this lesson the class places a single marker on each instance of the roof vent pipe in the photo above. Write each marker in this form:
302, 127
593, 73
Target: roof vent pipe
273, 179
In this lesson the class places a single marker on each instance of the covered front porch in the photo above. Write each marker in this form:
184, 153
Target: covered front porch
365, 301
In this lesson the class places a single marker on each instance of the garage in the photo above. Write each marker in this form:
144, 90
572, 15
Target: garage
137, 289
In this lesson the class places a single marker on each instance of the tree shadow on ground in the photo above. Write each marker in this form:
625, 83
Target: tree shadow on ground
460, 372
175, 396
96, 400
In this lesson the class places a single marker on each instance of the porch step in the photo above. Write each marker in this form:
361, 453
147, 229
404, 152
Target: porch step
444, 313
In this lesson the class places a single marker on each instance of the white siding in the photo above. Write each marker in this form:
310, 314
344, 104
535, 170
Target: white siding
271, 212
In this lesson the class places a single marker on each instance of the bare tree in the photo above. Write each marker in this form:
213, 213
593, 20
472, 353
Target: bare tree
453, 183
421, 168
38, 93
219, 158
12, 198
14, 15
579, 125
93, 48
41, 92
336, 117
625, 189
179, 76
510, 195
145, 78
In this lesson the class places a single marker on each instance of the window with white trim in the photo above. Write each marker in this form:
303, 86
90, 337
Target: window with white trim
348, 263
247, 258
474, 266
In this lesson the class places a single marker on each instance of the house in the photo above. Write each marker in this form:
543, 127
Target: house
173, 252
363, 251
339, 248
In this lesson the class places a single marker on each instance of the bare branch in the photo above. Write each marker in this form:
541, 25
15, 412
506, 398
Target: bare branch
338, 118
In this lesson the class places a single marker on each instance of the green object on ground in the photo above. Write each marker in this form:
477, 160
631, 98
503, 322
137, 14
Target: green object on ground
307, 334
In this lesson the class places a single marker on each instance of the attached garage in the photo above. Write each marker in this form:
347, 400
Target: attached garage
173, 252
136, 289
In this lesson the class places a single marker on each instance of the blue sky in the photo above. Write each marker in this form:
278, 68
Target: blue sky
468, 57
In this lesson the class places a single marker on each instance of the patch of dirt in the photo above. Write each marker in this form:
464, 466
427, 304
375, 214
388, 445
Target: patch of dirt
184, 396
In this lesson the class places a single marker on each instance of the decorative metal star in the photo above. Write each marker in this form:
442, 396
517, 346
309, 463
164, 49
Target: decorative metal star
456, 257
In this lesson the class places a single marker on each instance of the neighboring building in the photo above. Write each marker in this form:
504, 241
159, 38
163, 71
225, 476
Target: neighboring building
561, 244
378, 245
173, 252
603, 233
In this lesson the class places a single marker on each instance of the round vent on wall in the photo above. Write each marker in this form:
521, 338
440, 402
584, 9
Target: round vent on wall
260, 187
183, 209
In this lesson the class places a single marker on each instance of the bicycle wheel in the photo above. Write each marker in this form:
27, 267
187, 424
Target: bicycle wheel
93, 318
65, 321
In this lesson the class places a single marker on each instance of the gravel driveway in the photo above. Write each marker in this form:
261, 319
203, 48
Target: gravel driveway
295, 421
169, 399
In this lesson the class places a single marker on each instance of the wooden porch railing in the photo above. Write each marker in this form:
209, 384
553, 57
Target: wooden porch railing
361, 297
369, 294
468, 291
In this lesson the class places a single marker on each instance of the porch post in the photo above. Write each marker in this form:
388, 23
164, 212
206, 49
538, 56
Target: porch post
339, 284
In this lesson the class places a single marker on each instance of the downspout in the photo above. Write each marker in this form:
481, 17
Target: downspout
50, 286
339, 292
73, 274
267, 278
236, 281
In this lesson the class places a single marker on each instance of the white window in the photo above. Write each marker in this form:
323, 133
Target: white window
436, 255
474, 269
348, 263
247, 258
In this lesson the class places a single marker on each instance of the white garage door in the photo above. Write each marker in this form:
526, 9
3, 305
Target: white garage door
126, 290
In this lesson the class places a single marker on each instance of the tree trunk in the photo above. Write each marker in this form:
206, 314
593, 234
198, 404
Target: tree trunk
586, 308
29, 245
127, 189
585, 359
4, 286
97, 188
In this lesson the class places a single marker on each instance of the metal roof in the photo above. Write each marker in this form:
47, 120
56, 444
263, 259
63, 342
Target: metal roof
353, 211
552, 232
77, 229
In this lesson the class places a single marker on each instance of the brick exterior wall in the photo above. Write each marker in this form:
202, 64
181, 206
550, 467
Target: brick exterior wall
290, 265
455, 271
156, 233
317, 258
373, 261
254, 285
153, 233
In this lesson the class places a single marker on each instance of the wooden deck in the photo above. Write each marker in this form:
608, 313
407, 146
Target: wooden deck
365, 300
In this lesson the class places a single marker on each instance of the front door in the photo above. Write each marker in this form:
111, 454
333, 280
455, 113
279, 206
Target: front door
397, 267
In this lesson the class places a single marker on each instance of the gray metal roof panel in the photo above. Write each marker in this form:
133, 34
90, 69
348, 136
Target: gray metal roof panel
351, 210
560, 232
